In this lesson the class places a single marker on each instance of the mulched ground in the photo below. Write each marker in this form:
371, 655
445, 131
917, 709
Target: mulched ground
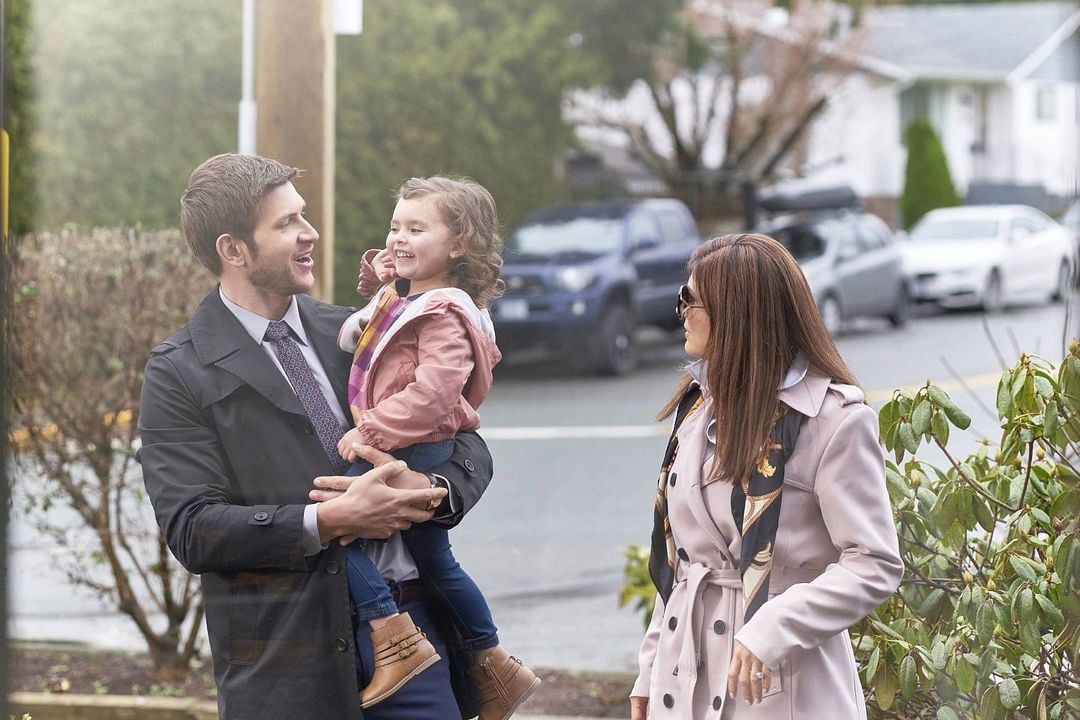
37, 669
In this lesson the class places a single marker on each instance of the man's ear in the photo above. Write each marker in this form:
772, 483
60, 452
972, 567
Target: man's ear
232, 250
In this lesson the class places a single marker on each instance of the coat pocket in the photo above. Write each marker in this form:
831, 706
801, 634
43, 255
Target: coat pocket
245, 642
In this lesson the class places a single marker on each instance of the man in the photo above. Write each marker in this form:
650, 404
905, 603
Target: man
241, 410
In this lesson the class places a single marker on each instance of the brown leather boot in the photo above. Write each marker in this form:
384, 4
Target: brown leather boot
504, 684
401, 653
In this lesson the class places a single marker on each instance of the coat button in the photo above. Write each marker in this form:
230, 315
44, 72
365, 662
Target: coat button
668, 700
260, 516
308, 429
341, 645
719, 627
717, 702
671, 479
683, 555
672, 623
332, 567
469, 465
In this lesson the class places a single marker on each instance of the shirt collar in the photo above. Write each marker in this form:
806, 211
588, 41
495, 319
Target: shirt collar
256, 324
699, 371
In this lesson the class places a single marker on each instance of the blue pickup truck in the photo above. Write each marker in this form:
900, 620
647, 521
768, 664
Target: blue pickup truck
580, 279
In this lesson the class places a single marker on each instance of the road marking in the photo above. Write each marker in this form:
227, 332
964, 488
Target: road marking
626, 432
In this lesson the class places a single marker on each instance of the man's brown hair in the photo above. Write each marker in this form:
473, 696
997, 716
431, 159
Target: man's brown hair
223, 196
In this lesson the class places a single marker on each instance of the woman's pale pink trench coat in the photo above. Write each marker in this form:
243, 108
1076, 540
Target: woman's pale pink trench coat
836, 559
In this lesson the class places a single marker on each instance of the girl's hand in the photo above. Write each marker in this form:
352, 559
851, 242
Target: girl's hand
345, 446
639, 708
384, 265
748, 673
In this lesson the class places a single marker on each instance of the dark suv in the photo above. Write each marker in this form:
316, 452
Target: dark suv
580, 279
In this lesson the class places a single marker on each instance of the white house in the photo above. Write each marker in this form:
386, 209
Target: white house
999, 82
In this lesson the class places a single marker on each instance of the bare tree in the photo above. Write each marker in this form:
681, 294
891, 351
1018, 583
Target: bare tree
733, 89
87, 310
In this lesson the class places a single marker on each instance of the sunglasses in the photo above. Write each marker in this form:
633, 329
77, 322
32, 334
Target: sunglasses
686, 301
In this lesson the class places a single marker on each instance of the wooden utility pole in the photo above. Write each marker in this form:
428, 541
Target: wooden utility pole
295, 62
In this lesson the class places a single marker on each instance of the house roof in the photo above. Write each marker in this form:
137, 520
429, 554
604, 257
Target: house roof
988, 42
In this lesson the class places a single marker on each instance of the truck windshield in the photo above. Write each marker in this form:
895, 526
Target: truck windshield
573, 235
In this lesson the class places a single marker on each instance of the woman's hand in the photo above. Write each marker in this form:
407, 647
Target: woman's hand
748, 673
639, 708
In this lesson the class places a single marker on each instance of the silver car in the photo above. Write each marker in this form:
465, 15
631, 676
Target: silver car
988, 256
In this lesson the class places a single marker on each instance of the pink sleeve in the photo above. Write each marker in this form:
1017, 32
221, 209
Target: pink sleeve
647, 653
445, 362
850, 488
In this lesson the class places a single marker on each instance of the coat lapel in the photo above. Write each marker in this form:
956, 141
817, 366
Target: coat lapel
219, 339
691, 451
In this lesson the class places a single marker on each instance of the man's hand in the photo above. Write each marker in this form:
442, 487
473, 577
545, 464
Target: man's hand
366, 506
383, 263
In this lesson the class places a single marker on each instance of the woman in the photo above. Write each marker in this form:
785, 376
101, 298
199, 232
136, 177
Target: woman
773, 532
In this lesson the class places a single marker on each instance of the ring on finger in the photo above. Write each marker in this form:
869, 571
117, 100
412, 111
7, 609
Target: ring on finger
759, 675
433, 504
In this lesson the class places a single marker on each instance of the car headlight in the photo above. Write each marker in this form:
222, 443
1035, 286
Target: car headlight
575, 279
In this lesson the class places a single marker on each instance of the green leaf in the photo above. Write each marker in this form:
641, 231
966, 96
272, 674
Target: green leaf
1050, 420
885, 686
952, 411
983, 514
937, 655
872, 663
908, 677
965, 675
1004, 395
947, 713
887, 417
1043, 386
1050, 611
1020, 377
939, 427
1023, 568
1009, 694
984, 623
990, 705
908, 438
920, 417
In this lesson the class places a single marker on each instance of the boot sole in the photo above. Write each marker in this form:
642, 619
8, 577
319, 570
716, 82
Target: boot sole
521, 699
421, 668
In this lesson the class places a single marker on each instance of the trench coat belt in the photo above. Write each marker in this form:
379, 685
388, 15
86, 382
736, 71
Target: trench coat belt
696, 577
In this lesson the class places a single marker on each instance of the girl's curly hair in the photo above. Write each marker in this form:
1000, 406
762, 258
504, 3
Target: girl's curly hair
468, 209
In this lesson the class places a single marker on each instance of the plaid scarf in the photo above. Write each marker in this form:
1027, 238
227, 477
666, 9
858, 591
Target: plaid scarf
755, 506
387, 311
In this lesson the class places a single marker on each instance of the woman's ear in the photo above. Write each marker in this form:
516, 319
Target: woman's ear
232, 250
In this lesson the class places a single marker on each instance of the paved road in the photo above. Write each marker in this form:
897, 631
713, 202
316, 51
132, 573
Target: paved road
575, 464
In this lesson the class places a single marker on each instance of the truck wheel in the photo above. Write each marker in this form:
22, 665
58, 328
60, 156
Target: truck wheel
614, 352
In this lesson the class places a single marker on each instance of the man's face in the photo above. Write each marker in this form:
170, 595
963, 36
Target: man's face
284, 241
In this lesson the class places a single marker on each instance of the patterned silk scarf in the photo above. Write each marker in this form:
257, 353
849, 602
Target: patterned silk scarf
755, 506
390, 306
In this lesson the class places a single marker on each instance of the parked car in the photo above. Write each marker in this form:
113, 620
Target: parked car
850, 258
988, 256
580, 278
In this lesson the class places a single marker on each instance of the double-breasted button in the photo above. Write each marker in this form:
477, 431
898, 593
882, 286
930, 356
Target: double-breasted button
683, 554
340, 645
669, 701
261, 515
332, 567
719, 627
717, 702
469, 465
672, 623
672, 478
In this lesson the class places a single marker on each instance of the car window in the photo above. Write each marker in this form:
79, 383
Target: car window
958, 230
642, 230
1024, 225
802, 241
672, 226
842, 234
567, 235
873, 232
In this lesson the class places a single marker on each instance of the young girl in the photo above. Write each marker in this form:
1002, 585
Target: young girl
424, 349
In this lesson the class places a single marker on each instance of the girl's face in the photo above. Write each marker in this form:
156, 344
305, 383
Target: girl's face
422, 244
695, 322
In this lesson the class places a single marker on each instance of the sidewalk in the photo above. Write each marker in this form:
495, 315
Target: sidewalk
50, 706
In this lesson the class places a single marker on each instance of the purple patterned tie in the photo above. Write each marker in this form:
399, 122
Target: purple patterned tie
308, 390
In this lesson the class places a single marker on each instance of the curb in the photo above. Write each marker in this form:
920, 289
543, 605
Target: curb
55, 706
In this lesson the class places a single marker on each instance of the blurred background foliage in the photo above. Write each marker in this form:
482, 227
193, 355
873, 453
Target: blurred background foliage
118, 100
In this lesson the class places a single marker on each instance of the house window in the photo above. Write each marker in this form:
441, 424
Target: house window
1045, 99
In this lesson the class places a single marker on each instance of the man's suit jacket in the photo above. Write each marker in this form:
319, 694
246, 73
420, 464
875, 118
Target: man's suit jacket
228, 457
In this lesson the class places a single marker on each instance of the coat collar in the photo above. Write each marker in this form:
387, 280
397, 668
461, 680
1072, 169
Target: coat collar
220, 339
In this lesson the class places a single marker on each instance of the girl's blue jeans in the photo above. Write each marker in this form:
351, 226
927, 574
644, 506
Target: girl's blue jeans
430, 547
